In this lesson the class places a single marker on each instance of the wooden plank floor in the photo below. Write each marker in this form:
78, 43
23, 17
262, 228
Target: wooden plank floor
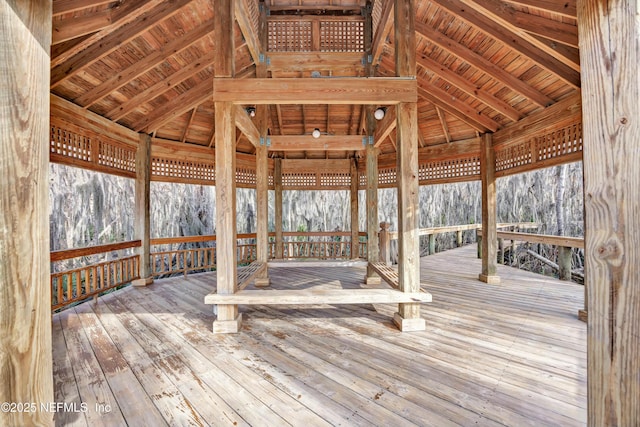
510, 354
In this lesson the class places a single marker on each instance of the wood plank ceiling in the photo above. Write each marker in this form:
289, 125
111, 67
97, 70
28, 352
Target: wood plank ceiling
148, 64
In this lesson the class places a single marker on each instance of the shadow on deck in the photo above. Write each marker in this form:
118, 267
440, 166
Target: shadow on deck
509, 354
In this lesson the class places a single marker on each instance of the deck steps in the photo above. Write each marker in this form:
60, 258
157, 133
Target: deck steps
318, 296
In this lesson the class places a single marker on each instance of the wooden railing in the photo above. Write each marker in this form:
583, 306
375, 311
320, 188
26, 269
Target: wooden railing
320, 245
68, 287
386, 236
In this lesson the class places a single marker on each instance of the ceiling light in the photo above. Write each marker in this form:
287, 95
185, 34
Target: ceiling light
251, 111
316, 133
379, 113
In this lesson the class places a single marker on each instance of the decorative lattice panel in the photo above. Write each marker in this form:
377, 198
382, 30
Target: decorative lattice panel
387, 177
342, 36
556, 147
289, 36
449, 170
116, 157
71, 145
559, 143
335, 180
246, 178
180, 170
298, 180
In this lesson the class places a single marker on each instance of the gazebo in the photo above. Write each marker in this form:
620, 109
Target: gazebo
331, 95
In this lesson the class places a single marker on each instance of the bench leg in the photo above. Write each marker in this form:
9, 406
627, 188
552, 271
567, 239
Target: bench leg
230, 326
409, 325
262, 278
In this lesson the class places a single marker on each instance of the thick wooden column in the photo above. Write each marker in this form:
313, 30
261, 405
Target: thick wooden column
262, 165
609, 57
25, 293
142, 222
408, 316
355, 235
489, 215
277, 183
228, 319
373, 249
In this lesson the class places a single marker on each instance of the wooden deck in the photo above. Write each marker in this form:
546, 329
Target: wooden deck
509, 354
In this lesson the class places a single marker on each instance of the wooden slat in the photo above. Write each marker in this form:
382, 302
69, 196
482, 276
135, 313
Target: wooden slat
565, 8
70, 28
248, 273
61, 7
309, 143
373, 90
314, 61
313, 296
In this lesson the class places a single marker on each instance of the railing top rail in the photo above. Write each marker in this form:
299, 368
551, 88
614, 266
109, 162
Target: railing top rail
565, 241
92, 250
393, 235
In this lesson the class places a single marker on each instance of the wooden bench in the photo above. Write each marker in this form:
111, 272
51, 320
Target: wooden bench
387, 273
246, 274
318, 296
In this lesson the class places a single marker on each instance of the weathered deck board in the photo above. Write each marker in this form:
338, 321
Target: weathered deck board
509, 354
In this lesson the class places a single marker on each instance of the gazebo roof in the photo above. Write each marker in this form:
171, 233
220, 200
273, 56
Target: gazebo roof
149, 65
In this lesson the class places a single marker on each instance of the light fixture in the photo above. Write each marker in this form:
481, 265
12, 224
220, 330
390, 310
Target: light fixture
251, 111
316, 133
379, 113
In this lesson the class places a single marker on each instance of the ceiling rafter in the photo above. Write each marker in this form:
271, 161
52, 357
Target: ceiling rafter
116, 37
248, 32
566, 8
186, 128
490, 18
246, 125
385, 25
178, 106
469, 88
384, 127
162, 86
443, 123
60, 7
452, 108
77, 26
483, 64
539, 25
145, 64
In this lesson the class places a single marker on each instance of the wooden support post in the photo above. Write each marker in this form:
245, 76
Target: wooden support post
408, 316
228, 319
277, 182
432, 243
500, 251
262, 214
564, 263
373, 251
26, 373
459, 241
479, 244
385, 243
142, 226
489, 215
610, 59
355, 229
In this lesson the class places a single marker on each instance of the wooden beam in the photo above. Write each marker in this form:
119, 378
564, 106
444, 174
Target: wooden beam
249, 32
489, 272
26, 373
189, 122
60, 7
142, 209
610, 57
568, 110
372, 90
77, 26
483, 64
385, 126
443, 123
549, 28
469, 88
277, 184
94, 50
314, 61
455, 107
309, 143
246, 126
380, 34
178, 106
162, 86
353, 209
491, 18
565, 8
143, 65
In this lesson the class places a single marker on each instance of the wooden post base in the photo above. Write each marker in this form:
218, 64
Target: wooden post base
373, 280
492, 280
409, 325
142, 282
582, 315
227, 326
262, 282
